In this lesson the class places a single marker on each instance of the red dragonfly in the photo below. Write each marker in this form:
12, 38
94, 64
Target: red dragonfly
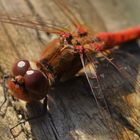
64, 57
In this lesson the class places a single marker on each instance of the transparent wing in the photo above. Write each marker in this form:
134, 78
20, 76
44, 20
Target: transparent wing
99, 98
67, 11
100, 74
33, 23
126, 66
40, 23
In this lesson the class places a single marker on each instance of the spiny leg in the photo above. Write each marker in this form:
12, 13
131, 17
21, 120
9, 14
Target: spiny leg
5, 77
30, 119
45, 112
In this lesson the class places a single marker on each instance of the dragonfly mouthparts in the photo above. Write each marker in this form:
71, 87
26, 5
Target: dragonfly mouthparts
18, 80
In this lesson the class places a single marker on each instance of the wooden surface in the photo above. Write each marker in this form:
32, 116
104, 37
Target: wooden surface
74, 112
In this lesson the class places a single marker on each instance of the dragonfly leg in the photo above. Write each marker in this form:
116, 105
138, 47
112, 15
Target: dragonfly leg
5, 77
29, 119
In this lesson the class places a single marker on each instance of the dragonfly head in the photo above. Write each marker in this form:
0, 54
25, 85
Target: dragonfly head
28, 84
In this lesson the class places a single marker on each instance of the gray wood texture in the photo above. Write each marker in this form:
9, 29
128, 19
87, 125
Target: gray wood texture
74, 113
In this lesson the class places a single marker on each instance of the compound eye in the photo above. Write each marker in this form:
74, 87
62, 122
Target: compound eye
20, 67
35, 81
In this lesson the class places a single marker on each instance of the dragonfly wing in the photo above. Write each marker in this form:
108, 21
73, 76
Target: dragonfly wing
32, 22
98, 96
67, 11
101, 88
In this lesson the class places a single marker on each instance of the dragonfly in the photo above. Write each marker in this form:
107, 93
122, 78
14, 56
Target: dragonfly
64, 57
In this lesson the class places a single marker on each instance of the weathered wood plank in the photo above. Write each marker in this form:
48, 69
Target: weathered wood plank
73, 111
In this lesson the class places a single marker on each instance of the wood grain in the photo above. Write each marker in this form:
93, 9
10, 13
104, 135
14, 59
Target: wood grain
74, 113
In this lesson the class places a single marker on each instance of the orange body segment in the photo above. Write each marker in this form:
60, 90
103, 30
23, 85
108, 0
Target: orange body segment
111, 39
